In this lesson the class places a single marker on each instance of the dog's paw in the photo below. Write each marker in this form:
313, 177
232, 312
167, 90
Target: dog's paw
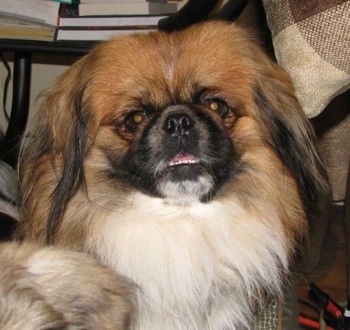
51, 288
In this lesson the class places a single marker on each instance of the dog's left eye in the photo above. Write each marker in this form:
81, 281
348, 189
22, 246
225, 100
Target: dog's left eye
218, 106
134, 119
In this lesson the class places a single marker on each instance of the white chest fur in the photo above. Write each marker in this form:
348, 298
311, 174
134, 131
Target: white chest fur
197, 266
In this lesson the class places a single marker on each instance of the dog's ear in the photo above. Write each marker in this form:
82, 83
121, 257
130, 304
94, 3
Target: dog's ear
59, 139
291, 134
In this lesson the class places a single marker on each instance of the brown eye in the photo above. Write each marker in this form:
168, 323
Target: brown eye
214, 106
134, 119
219, 106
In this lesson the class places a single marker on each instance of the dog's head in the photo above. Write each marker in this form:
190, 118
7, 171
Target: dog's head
194, 115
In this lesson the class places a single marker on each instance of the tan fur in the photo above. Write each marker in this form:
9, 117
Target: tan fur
50, 288
261, 211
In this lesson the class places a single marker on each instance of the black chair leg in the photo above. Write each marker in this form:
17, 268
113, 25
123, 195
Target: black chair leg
20, 108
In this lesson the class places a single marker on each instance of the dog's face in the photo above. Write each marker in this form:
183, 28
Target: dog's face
165, 121
178, 149
197, 128
183, 117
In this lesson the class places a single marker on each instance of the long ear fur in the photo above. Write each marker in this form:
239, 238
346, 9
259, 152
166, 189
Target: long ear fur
291, 134
73, 170
60, 137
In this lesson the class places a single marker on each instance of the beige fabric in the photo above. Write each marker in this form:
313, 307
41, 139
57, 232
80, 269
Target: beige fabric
312, 43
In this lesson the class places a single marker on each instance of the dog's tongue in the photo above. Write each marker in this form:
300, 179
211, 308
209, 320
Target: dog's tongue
183, 158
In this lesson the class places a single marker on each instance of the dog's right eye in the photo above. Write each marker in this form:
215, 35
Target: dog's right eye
219, 106
134, 119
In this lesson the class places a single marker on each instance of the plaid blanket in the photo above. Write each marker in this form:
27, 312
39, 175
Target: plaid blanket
279, 314
312, 43
268, 318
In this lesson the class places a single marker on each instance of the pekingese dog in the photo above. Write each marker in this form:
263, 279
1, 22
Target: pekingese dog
182, 161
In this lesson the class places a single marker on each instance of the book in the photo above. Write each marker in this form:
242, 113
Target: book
38, 20
70, 2
116, 1
107, 21
95, 34
126, 8
58, 14
18, 28
41, 11
68, 10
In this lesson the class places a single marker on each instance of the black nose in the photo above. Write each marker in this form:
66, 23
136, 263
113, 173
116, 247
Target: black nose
178, 124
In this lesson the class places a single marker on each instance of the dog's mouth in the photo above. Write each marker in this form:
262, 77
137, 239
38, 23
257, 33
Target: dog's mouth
185, 179
183, 159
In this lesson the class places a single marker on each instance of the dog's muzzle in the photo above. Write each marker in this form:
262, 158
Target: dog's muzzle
182, 154
186, 142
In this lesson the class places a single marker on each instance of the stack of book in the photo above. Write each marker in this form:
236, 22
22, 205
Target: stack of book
84, 20
28, 19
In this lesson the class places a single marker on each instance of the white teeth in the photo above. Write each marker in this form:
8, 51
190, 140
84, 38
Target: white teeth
183, 162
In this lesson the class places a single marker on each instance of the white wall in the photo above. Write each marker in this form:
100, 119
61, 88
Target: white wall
45, 70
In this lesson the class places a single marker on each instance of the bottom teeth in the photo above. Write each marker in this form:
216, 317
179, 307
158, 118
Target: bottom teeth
183, 159
183, 162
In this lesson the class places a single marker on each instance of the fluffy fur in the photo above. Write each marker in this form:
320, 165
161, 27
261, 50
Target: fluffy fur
51, 288
181, 160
